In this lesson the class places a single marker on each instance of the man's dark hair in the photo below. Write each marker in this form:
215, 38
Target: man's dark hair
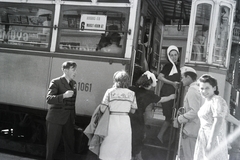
212, 81
191, 74
68, 65
115, 37
143, 81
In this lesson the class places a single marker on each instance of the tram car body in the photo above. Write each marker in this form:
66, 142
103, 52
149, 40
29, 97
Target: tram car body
32, 51
36, 37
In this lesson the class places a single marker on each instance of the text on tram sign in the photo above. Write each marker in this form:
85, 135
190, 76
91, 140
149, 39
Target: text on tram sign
84, 87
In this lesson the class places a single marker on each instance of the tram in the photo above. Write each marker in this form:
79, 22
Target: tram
37, 36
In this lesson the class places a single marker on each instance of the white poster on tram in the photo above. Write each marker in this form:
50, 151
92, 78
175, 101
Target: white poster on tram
93, 23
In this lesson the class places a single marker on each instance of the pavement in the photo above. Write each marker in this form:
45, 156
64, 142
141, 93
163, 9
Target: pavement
15, 156
152, 150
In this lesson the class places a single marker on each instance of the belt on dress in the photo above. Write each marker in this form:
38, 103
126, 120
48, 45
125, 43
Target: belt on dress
65, 108
119, 113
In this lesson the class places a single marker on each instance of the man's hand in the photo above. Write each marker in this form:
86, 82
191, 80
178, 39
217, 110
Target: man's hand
176, 84
68, 93
182, 119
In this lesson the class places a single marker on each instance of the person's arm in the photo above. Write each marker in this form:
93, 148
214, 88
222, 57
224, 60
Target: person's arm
214, 131
102, 108
132, 111
143, 61
167, 98
133, 105
194, 100
219, 109
232, 119
53, 95
164, 80
105, 103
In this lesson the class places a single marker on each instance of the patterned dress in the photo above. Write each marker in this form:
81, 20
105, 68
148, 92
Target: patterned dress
216, 107
117, 144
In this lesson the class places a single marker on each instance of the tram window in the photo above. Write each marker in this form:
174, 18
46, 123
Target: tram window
25, 26
221, 37
200, 40
93, 31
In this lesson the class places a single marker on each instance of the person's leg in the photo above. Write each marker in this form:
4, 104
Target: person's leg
69, 139
188, 145
167, 112
163, 130
54, 132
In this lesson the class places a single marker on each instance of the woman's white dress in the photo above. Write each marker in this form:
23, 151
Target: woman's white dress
216, 107
117, 144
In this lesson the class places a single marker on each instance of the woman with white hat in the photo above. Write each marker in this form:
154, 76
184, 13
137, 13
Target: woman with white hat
170, 75
144, 97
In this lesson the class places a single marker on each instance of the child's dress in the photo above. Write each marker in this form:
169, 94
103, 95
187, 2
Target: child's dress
117, 144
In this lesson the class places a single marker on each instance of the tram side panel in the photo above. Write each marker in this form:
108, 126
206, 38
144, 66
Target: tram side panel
23, 80
93, 79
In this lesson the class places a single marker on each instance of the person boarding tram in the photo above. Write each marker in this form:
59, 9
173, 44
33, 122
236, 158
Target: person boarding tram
144, 97
170, 76
120, 101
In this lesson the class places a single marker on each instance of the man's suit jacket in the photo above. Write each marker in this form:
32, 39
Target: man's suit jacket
60, 109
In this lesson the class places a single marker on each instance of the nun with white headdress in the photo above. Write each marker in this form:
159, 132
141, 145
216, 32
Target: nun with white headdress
170, 76
144, 97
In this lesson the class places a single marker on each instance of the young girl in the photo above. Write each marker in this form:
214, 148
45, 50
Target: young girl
120, 101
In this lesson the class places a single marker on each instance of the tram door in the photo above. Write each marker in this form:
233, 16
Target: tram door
148, 58
149, 41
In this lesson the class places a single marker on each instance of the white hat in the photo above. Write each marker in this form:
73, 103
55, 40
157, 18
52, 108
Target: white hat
174, 68
152, 76
187, 69
172, 47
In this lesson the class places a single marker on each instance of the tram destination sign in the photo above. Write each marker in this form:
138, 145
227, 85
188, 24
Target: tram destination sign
93, 23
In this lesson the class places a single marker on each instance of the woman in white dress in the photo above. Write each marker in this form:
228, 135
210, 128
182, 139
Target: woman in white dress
211, 142
120, 101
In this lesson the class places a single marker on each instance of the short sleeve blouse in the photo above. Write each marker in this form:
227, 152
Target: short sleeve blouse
119, 99
219, 107
166, 69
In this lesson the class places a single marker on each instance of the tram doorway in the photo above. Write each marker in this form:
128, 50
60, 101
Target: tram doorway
153, 39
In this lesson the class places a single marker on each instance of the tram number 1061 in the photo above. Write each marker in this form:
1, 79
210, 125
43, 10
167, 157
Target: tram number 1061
84, 87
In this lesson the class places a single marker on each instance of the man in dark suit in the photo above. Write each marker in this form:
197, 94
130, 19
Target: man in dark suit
60, 118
